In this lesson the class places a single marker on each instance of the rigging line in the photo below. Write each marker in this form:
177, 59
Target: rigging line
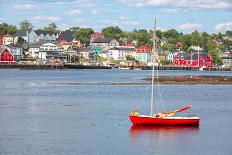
159, 91
143, 100
138, 107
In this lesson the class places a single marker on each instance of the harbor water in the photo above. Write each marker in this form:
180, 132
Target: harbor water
83, 112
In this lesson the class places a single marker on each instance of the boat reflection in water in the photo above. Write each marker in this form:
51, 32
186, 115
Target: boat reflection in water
153, 138
163, 133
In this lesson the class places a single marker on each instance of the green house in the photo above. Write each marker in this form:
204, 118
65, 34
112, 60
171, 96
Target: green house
96, 50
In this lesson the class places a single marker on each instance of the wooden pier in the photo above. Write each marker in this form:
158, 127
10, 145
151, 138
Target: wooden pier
33, 66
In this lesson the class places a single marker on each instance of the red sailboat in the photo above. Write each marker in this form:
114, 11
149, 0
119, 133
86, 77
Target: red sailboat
163, 118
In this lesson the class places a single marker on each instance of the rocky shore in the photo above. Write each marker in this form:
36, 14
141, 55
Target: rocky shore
193, 79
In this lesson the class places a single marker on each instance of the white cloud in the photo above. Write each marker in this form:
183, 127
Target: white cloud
183, 4
122, 21
75, 12
96, 12
24, 6
2, 19
223, 26
173, 10
47, 18
189, 26
145, 3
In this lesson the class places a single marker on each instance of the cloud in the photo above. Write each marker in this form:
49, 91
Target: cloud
122, 21
75, 12
96, 12
24, 6
224, 26
173, 10
189, 26
47, 18
145, 3
2, 19
181, 4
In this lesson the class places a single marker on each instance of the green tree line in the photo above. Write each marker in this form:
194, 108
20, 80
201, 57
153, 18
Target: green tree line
168, 38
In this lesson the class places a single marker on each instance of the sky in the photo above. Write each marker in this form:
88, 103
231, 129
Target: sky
185, 16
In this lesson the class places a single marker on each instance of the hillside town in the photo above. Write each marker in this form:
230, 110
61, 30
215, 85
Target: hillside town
111, 47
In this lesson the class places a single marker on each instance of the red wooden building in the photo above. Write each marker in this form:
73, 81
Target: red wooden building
186, 60
6, 57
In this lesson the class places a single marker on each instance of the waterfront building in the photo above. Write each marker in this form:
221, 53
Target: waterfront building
49, 51
144, 54
8, 39
121, 53
194, 60
227, 60
34, 49
16, 50
6, 56
170, 57
106, 43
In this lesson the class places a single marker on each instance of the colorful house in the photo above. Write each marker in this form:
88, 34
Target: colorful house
17, 51
105, 43
97, 50
188, 60
144, 54
121, 53
227, 60
34, 36
6, 56
8, 39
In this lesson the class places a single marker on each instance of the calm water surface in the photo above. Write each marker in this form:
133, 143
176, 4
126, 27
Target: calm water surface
50, 112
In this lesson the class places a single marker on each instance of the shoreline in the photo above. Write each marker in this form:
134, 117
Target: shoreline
78, 66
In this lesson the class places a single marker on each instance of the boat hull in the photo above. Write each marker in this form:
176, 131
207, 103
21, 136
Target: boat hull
148, 120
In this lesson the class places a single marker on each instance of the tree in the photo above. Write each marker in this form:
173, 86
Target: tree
144, 38
172, 33
168, 47
112, 31
52, 28
159, 34
20, 41
7, 29
228, 33
83, 34
74, 29
25, 25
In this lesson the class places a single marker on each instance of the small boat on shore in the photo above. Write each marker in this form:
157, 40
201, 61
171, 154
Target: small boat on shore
162, 118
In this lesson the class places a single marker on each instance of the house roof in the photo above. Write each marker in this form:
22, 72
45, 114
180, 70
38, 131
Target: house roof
66, 35
14, 46
144, 49
96, 35
203, 55
103, 40
39, 32
21, 33
123, 48
85, 49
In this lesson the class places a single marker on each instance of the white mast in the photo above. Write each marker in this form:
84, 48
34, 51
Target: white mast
153, 67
